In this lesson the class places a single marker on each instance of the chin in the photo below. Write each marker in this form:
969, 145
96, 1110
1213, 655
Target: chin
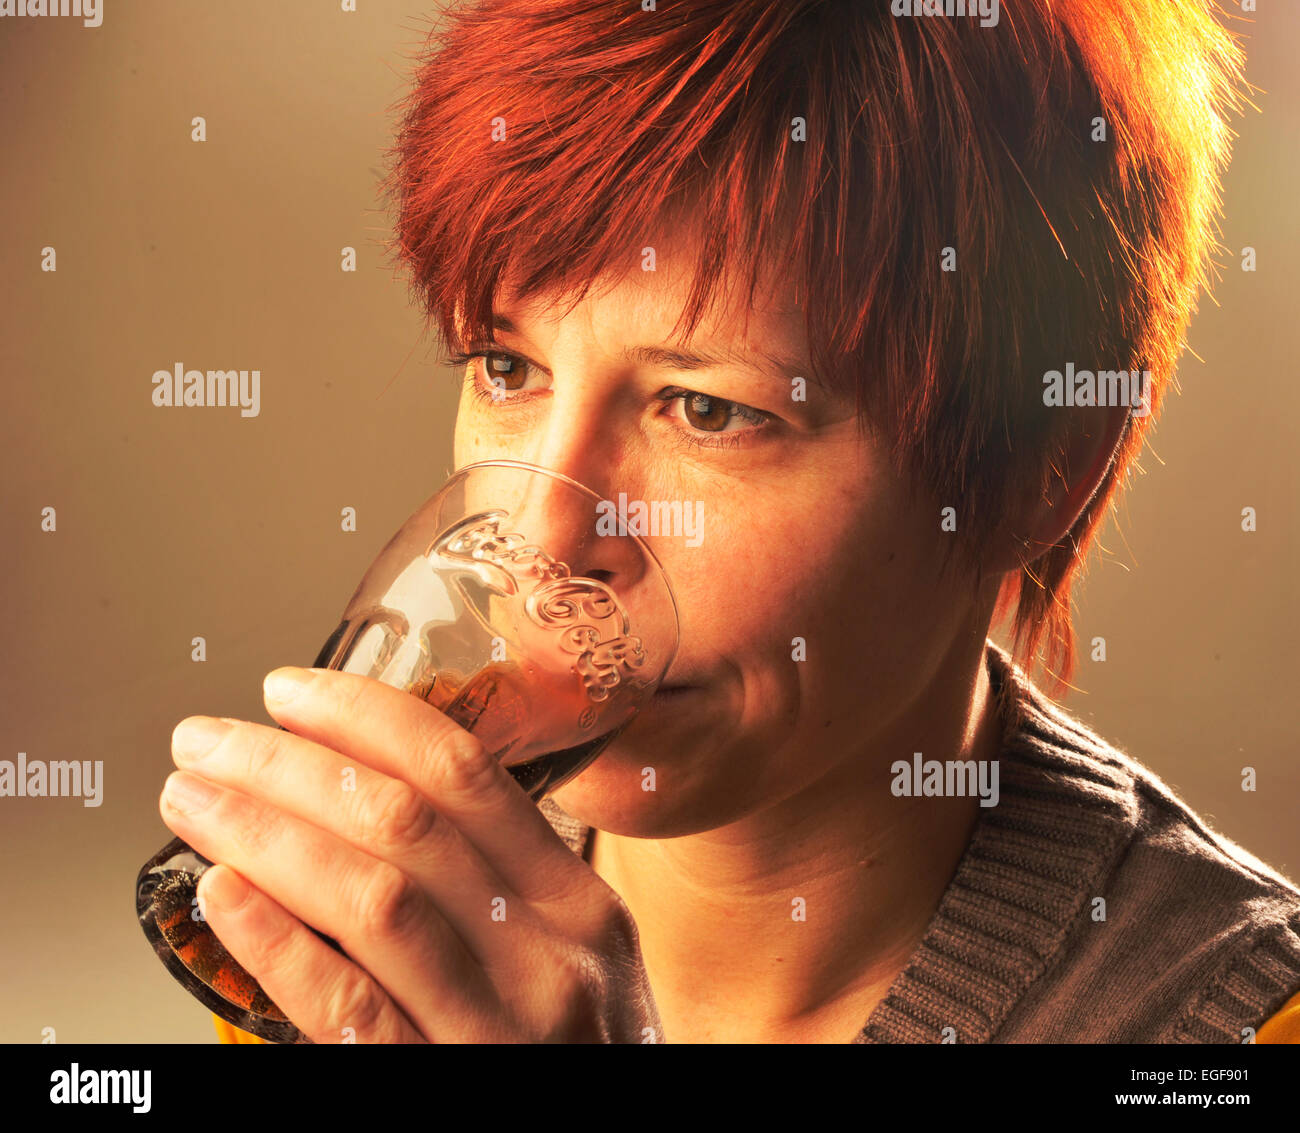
609, 794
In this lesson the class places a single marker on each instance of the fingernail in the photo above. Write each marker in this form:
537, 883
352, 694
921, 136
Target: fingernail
225, 889
195, 736
282, 685
188, 793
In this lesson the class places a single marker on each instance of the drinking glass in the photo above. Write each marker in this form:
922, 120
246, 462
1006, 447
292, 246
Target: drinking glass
503, 604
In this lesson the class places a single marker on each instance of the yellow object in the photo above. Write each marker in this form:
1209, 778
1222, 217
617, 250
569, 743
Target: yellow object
231, 1034
1284, 1027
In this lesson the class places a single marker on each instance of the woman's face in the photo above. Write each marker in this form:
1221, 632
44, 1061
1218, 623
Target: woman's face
805, 534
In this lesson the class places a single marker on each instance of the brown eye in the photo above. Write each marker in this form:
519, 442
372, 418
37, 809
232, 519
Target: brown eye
709, 414
504, 371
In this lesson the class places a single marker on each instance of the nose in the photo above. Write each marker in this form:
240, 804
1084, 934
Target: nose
572, 525
579, 446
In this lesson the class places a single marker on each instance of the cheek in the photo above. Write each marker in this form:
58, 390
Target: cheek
484, 433
474, 439
802, 566
881, 622
829, 611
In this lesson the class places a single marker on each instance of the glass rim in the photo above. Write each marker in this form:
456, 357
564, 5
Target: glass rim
551, 472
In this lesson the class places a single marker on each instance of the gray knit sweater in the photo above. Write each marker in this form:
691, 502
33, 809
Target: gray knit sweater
1200, 939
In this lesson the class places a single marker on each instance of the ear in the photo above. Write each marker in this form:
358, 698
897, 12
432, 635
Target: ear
1083, 457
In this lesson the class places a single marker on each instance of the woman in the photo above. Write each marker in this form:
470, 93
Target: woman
813, 266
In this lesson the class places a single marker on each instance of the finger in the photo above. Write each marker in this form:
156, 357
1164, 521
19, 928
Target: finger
326, 996
405, 737
382, 918
377, 814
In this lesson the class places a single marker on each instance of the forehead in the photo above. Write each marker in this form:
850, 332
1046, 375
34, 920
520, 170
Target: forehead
645, 304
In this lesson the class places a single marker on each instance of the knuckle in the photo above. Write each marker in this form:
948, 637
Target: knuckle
608, 926
460, 764
273, 951
390, 903
350, 693
398, 816
258, 827
262, 752
358, 1003
347, 696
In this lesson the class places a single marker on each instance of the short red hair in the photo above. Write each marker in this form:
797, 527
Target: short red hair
922, 133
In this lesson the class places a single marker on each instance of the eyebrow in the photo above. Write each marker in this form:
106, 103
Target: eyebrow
677, 358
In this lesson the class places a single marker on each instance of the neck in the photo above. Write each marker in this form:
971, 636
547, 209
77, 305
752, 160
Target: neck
727, 951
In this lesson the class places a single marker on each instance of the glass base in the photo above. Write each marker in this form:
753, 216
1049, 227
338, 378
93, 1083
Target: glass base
165, 903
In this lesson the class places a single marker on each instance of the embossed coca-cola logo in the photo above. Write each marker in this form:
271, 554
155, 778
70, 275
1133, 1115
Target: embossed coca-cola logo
586, 614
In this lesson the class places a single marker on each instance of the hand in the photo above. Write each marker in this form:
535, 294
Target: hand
385, 825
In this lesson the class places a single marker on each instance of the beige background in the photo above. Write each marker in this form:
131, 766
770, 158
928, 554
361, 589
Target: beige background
174, 523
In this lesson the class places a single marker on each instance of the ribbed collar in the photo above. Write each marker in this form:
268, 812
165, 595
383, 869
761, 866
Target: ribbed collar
1065, 810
